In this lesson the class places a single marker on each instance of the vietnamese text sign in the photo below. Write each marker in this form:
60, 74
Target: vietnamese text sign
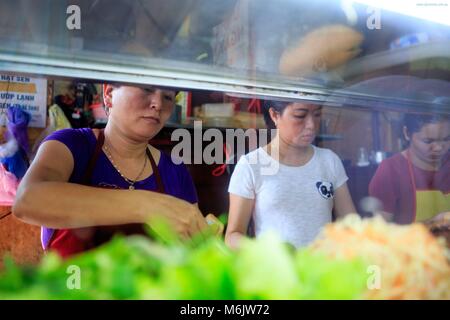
29, 94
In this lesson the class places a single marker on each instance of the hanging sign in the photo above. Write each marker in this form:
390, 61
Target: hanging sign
29, 94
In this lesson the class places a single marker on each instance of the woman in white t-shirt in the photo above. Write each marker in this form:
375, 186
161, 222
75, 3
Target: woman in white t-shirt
289, 186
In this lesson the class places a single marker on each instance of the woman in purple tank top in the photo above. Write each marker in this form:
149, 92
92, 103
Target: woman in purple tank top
85, 185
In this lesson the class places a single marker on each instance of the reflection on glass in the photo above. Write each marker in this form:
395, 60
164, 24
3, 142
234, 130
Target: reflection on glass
267, 47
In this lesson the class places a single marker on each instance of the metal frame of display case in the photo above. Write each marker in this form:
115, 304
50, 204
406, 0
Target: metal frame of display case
51, 51
282, 88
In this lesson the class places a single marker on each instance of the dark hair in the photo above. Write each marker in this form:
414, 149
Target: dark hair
278, 106
415, 121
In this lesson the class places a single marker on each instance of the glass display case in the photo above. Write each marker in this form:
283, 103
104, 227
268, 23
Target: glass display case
379, 70
338, 51
368, 63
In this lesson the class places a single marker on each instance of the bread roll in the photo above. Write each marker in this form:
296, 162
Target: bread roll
322, 49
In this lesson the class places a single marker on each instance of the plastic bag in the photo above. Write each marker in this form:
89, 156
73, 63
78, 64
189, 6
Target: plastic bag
13, 157
17, 126
8, 187
57, 118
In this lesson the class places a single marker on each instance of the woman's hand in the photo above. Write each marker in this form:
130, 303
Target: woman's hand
183, 217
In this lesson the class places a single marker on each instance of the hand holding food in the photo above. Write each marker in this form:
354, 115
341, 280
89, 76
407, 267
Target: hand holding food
215, 224
185, 219
440, 226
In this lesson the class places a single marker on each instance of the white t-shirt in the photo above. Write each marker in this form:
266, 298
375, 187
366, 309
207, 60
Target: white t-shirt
295, 202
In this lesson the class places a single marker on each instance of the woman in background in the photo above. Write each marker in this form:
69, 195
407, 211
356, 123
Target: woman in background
414, 184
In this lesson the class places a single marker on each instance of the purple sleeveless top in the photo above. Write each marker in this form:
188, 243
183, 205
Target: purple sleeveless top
81, 142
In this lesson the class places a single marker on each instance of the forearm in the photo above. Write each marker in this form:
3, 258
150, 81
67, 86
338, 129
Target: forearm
68, 205
238, 220
344, 210
343, 204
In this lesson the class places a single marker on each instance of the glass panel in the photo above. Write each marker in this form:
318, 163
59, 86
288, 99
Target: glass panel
322, 50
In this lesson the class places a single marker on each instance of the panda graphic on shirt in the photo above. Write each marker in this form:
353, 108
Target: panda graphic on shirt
325, 189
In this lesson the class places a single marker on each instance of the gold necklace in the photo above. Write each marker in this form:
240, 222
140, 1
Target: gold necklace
129, 181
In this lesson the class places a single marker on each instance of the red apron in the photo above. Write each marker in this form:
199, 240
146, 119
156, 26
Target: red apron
67, 242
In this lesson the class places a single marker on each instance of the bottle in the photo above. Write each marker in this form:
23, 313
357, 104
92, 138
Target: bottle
363, 158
